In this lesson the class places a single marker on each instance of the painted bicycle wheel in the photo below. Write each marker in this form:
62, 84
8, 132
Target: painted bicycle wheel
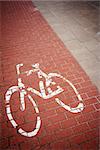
8, 97
69, 89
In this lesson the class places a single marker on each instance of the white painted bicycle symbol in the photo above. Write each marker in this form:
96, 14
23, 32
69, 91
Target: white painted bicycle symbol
42, 93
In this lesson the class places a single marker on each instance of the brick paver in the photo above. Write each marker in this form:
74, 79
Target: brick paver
27, 38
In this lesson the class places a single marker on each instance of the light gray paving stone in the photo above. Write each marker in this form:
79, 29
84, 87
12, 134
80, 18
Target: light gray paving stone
77, 25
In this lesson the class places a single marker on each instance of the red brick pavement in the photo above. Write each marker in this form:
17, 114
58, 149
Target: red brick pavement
27, 38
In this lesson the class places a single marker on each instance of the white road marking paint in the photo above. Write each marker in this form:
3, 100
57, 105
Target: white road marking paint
17, 68
34, 104
34, 91
77, 109
9, 116
32, 133
42, 93
80, 106
49, 90
42, 89
8, 111
22, 101
14, 123
29, 72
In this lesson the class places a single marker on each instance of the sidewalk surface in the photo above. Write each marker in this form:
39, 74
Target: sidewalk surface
28, 39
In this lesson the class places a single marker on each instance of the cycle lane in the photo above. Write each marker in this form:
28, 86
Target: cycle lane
28, 39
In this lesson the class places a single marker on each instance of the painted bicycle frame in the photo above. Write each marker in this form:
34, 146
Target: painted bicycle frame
41, 93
